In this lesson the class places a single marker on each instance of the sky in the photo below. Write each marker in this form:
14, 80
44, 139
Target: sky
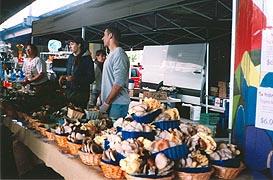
37, 8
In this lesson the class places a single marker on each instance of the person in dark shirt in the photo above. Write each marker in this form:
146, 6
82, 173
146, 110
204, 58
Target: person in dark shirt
79, 73
98, 66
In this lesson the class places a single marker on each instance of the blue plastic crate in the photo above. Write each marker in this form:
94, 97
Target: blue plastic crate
232, 163
165, 125
134, 134
194, 170
174, 153
148, 118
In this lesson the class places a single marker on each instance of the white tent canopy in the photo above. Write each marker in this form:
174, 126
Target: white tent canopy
95, 12
153, 22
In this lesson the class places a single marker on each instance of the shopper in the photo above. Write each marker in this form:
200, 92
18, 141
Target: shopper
98, 67
34, 69
79, 73
36, 79
114, 92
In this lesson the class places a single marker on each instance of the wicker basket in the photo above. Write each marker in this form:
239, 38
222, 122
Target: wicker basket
61, 140
43, 130
36, 124
50, 135
73, 114
227, 172
90, 159
194, 176
111, 171
30, 119
129, 177
73, 147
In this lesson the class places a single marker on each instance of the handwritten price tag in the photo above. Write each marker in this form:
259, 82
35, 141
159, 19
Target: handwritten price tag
264, 108
266, 121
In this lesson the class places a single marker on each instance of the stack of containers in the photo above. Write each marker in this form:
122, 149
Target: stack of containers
112, 169
210, 120
172, 153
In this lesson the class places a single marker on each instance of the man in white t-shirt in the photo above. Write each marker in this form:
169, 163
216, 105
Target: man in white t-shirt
115, 77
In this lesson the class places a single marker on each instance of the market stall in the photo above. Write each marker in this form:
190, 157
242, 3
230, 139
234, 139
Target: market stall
69, 167
174, 146
246, 79
159, 31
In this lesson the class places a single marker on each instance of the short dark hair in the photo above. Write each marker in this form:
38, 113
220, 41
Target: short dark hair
79, 40
34, 49
100, 52
115, 31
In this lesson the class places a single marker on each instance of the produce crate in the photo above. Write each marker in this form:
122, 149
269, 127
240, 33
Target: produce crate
155, 95
136, 92
73, 114
212, 128
209, 118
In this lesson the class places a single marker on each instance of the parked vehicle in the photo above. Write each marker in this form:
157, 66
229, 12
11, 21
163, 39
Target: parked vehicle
136, 75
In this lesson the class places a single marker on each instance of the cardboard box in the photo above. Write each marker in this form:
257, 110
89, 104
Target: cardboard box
222, 84
222, 93
135, 92
222, 89
155, 95
213, 91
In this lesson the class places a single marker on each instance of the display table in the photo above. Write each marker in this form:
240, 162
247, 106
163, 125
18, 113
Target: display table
169, 100
68, 166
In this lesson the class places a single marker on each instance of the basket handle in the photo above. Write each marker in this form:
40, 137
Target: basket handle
269, 158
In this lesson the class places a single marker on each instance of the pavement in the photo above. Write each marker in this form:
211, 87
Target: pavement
8, 165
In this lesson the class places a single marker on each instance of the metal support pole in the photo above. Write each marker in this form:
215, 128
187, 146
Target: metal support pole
232, 62
83, 33
32, 40
131, 50
207, 78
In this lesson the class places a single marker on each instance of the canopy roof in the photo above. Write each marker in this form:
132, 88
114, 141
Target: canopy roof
142, 22
11, 7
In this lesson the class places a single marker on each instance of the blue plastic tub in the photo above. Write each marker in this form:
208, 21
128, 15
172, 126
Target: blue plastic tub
133, 134
148, 118
151, 176
174, 153
232, 163
195, 170
165, 125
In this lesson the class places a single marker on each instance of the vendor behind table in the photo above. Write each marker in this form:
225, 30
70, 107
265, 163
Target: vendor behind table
115, 77
79, 73
95, 88
34, 69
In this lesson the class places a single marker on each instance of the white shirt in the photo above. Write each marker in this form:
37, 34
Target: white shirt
33, 67
116, 71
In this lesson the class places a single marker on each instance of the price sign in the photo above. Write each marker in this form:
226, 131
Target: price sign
264, 108
267, 51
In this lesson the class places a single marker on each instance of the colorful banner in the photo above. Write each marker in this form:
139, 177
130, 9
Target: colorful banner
264, 118
264, 107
